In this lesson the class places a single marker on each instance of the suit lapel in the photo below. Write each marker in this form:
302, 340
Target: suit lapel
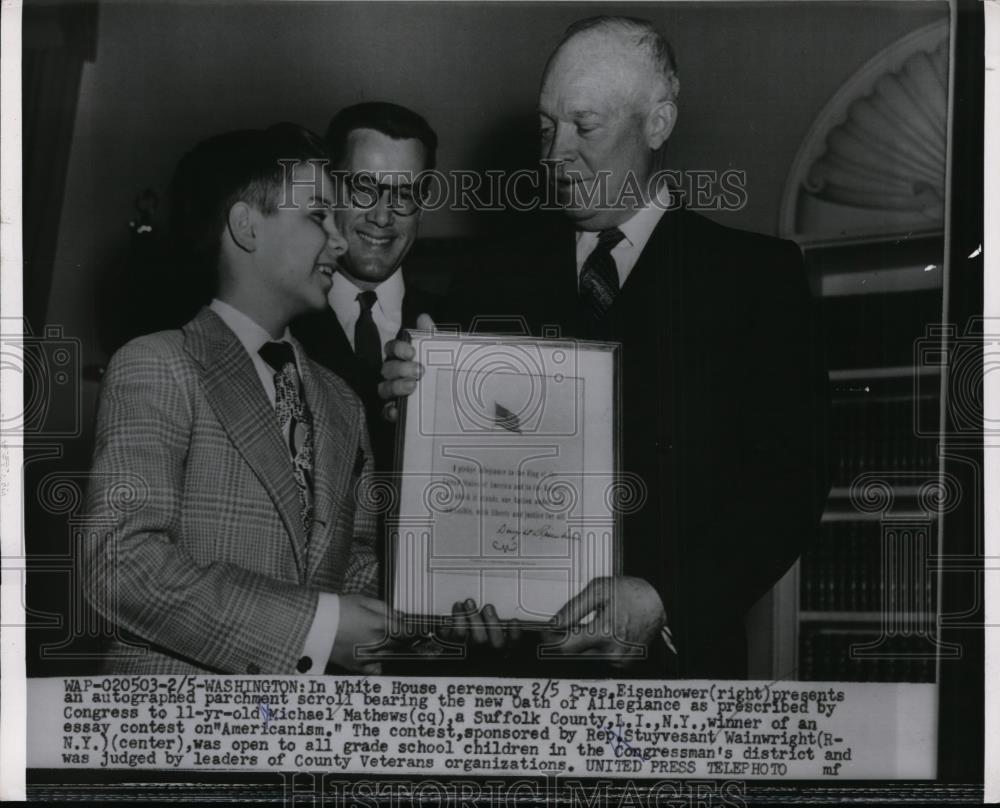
415, 302
333, 349
333, 461
411, 307
234, 392
647, 317
652, 306
652, 271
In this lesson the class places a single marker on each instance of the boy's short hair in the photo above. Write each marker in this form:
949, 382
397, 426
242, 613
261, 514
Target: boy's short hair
249, 166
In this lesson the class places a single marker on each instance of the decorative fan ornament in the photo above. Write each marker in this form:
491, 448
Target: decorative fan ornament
875, 159
889, 153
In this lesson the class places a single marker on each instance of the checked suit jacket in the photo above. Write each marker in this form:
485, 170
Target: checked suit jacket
201, 559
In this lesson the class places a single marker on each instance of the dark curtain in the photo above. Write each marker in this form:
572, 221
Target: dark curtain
57, 39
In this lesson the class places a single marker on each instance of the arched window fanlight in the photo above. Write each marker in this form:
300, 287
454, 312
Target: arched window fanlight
874, 161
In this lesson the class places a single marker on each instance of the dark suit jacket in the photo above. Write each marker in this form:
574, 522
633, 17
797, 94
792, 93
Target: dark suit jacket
724, 412
326, 343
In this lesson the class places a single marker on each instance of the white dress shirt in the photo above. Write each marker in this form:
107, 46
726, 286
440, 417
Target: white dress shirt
387, 312
637, 231
323, 632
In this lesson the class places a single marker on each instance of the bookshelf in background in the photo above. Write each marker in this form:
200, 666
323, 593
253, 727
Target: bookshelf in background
860, 605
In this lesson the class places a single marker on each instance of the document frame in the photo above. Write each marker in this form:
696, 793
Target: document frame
507, 486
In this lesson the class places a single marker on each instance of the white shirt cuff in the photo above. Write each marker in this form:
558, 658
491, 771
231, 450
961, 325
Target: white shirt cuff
322, 634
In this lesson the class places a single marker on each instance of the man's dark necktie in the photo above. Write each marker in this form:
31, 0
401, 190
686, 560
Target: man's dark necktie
367, 343
294, 421
599, 282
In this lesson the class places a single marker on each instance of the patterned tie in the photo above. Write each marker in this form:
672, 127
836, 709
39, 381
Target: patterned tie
599, 282
294, 420
367, 342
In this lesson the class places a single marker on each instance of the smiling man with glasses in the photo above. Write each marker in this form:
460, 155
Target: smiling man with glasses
378, 150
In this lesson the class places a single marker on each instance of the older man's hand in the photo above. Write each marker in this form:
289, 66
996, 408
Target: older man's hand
400, 372
481, 627
612, 618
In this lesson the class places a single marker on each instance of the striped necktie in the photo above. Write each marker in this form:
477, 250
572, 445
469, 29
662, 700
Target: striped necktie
599, 282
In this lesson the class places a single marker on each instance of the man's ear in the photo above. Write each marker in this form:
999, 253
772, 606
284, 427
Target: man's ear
240, 226
660, 122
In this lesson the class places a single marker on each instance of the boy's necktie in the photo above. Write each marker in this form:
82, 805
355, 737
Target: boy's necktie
294, 421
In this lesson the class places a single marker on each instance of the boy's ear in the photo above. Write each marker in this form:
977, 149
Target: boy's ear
240, 226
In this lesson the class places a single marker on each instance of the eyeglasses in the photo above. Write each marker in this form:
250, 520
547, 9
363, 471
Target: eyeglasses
365, 192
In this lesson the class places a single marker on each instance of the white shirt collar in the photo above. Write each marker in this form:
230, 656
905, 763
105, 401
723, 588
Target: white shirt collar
247, 330
387, 312
637, 231
640, 227
343, 295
